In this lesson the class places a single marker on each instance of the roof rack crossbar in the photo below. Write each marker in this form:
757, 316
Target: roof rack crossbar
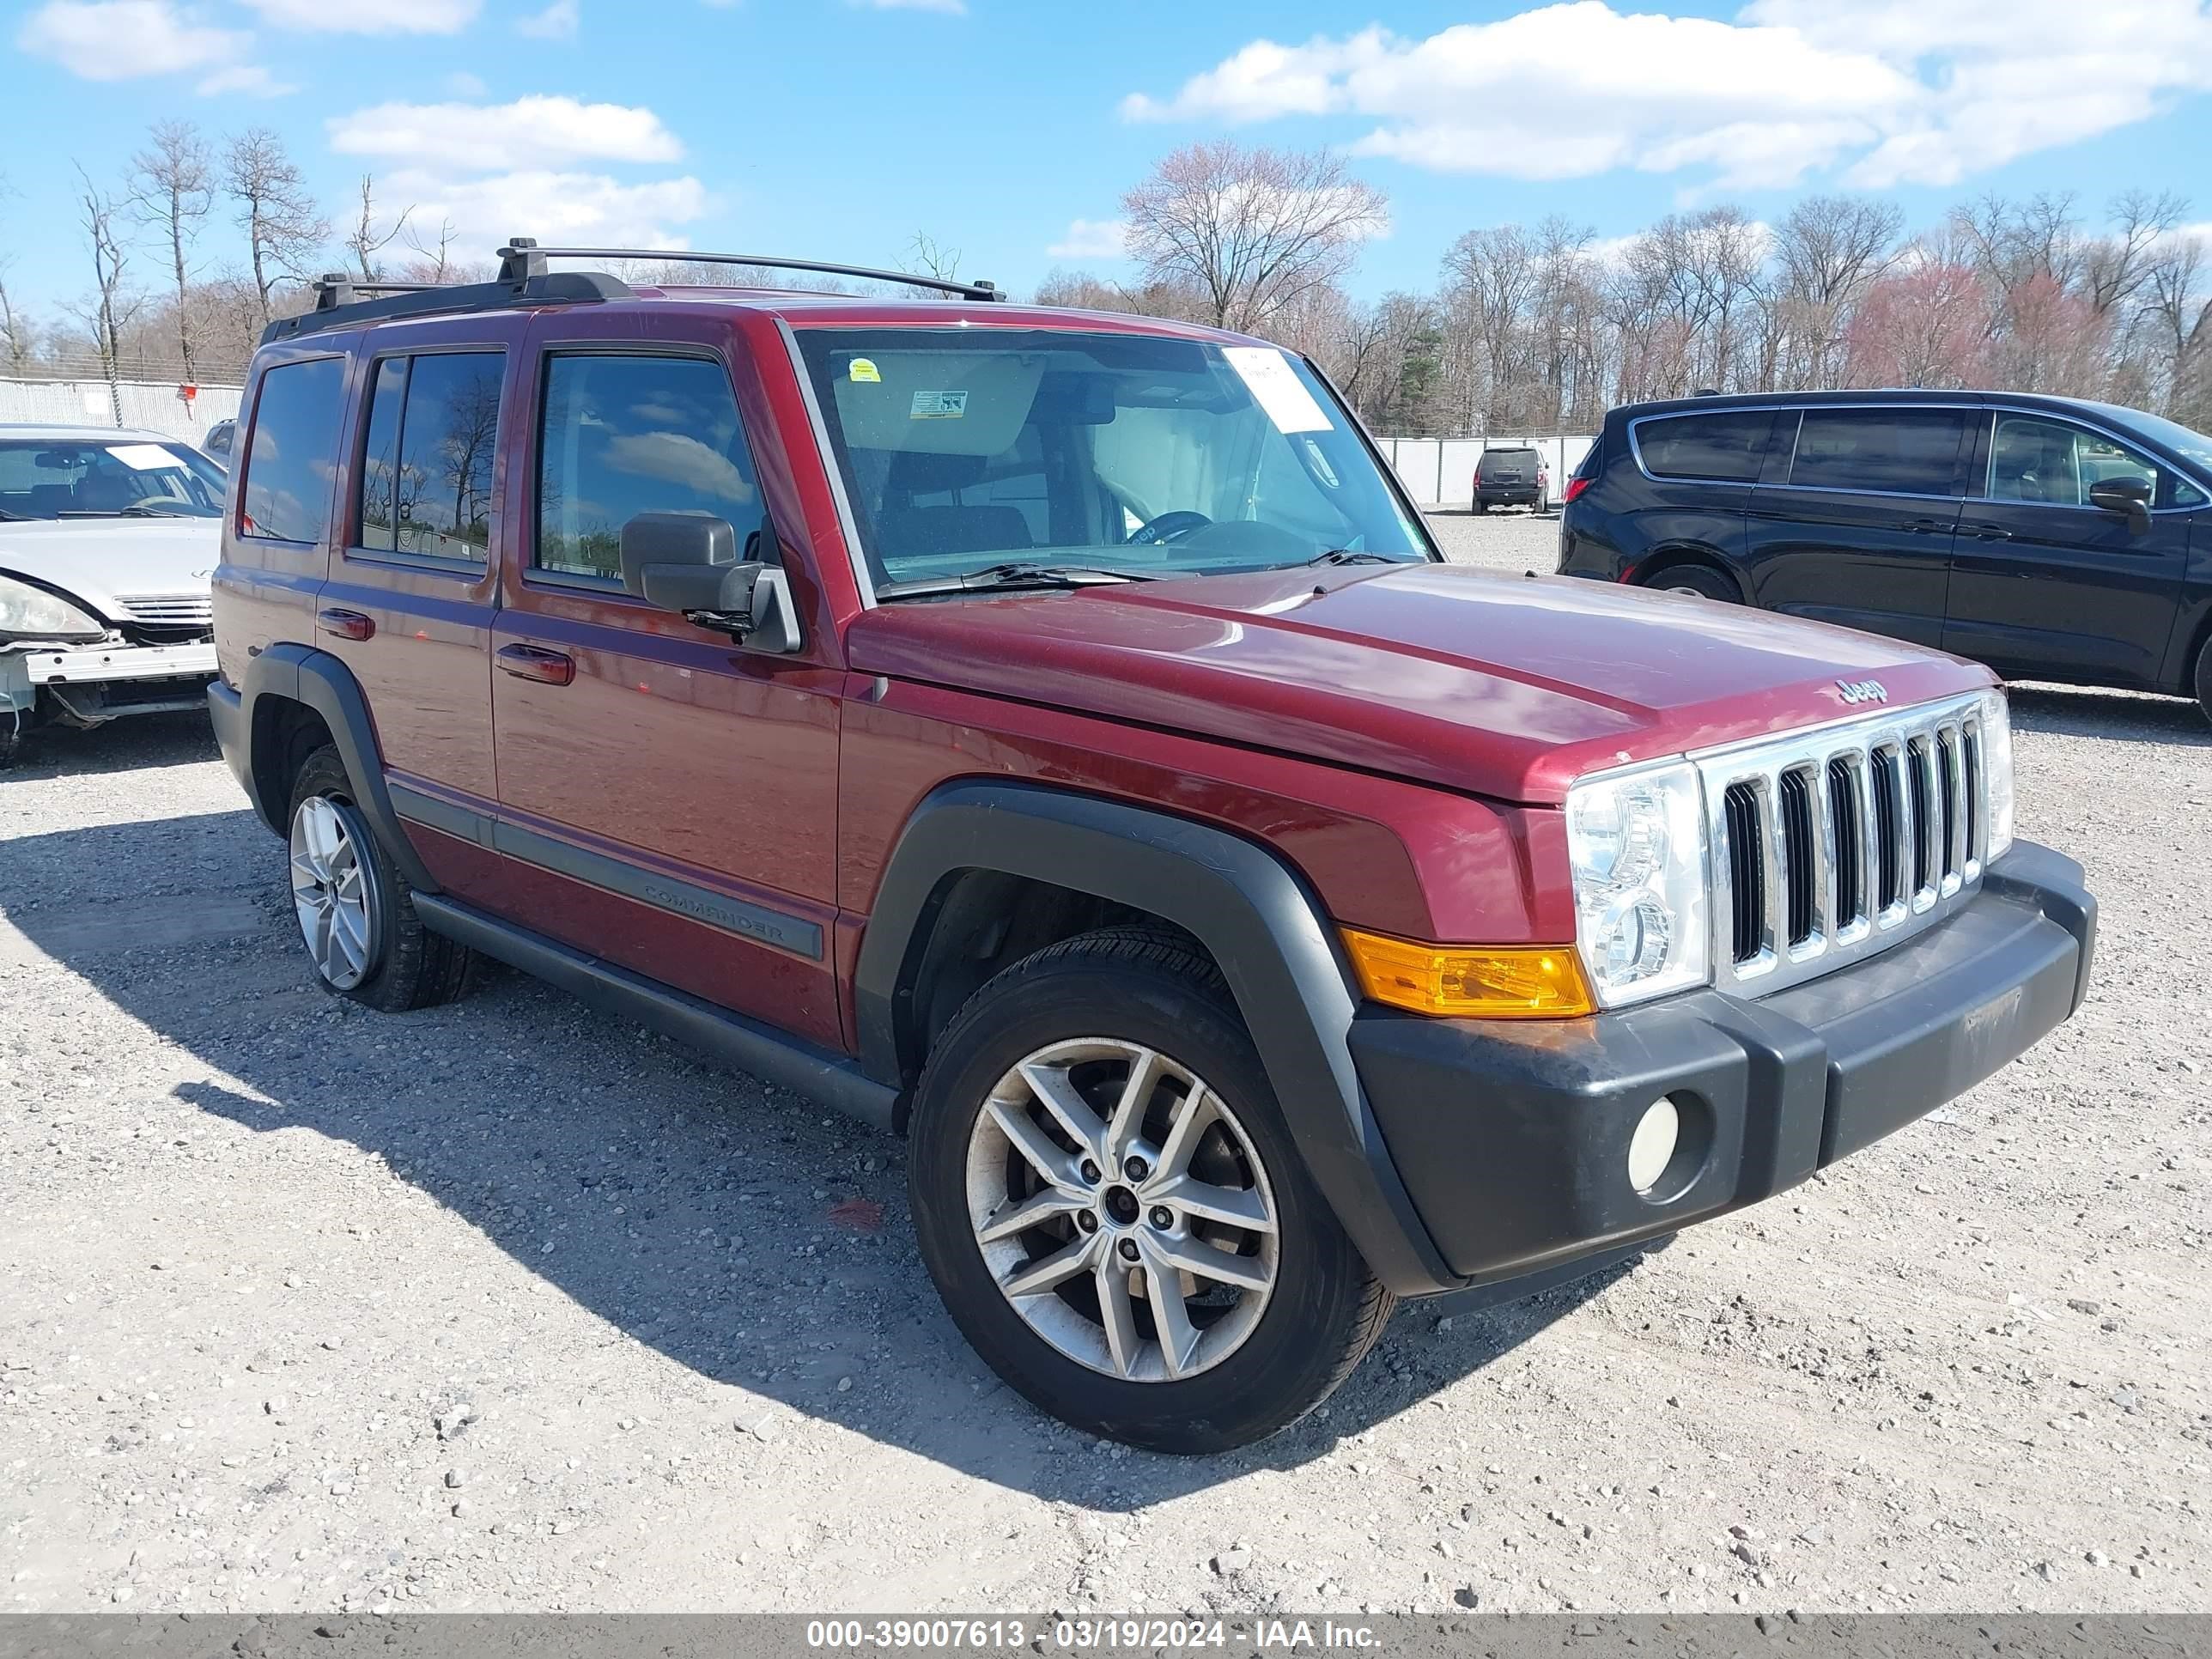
339, 304
522, 246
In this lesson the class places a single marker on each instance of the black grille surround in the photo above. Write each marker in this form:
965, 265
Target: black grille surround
1832, 843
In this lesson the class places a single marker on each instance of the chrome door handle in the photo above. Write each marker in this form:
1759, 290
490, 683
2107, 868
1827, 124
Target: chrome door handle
535, 662
346, 624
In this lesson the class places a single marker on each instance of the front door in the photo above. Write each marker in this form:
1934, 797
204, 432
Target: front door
1853, 524
2044, 586
667, 799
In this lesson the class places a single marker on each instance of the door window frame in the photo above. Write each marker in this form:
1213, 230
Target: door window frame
244, 470
352, 550
535, 576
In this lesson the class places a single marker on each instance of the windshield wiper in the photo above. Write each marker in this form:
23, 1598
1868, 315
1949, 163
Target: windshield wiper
1012, 574
1342, 556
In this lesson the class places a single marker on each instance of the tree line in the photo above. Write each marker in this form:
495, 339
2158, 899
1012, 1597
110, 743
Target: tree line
1527, 330
1531, 329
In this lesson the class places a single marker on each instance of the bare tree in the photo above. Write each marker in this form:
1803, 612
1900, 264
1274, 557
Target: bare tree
928, 256
429, 267
1251, 230
1829, 251
172, 191
365, 241
2180, 311
14, 331
106, 309
2115, 268
283, 229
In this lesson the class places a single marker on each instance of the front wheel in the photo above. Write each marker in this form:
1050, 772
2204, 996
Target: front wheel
1115, 1212
2204, 679
1702, 580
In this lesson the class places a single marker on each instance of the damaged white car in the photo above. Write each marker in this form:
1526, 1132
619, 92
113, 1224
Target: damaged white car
107, 542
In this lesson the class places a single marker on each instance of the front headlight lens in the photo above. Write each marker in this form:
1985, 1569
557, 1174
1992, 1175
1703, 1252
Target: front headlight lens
33, 613
1997, 763
1637, 843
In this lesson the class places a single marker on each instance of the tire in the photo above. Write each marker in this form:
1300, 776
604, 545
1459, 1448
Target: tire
383, 958
1254, 1357
1701, 579
1481, 506
2204, 678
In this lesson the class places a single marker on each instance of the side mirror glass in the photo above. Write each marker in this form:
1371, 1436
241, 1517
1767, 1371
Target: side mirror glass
687, 562
2129, 497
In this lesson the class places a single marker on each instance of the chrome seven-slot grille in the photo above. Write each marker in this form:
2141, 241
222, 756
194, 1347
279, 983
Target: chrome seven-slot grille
1835, 843
170, 610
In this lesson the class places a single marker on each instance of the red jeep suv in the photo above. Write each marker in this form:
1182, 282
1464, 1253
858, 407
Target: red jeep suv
1053, 736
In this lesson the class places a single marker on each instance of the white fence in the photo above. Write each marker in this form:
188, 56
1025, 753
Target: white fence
150, 405
1440, 471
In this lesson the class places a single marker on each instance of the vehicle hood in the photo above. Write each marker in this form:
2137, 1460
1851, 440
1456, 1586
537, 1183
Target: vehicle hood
1505, 686
102, 560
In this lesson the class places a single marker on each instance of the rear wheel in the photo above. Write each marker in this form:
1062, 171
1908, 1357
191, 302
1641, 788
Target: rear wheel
1481, 506
1701, 579
1115, 1212
355, 910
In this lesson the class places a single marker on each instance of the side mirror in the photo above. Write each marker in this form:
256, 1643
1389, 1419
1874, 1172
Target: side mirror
687, 562
2129, 497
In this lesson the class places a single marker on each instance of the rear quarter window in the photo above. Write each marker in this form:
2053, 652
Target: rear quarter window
291, 460
1727, 447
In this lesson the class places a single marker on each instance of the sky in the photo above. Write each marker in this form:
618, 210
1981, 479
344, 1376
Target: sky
1009, 128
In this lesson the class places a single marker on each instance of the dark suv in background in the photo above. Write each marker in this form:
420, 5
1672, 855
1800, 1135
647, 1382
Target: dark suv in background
1512, 475
2051, 539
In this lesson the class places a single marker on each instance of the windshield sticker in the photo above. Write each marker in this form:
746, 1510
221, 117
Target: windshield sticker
142, 458
940, 406
1272, 380
865, 371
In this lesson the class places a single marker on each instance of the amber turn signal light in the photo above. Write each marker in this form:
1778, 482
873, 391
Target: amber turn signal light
1473, 982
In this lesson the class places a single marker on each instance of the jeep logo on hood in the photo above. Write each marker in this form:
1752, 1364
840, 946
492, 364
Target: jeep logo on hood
1856, 691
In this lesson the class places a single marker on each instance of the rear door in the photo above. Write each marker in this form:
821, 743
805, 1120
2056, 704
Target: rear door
667, 799
1693, 477
2042, 584
1852, 522
414, 585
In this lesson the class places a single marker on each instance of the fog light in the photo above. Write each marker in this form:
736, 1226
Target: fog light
1652, 1149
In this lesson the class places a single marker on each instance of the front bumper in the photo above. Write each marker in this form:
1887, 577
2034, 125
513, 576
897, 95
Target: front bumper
1511, 1136
100, 664
99, 682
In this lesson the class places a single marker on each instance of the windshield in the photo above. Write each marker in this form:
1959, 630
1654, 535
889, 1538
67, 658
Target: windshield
91, 478
971, 448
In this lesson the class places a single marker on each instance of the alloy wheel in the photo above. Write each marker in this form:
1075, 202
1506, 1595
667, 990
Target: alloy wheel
1122, 1209
334, 891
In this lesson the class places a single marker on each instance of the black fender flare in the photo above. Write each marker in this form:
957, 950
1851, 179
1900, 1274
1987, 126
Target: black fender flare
1252, 911
318, 680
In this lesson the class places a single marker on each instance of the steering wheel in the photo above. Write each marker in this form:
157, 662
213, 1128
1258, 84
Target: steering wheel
1167, 527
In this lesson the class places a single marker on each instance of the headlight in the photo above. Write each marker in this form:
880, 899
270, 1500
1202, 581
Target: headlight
1637, 842
31, 612
1997, 763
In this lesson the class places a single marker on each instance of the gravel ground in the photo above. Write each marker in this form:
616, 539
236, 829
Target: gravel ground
509, 1305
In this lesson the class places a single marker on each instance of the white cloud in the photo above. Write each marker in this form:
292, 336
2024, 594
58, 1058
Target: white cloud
123, 39
247, 80
479, 138
586, 209
462, 84
558, 22
368, 17
1091, 239
951, 8
1890, 91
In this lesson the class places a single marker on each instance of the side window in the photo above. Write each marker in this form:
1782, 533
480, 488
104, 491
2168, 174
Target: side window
286, 490
426, 473
1904, 451
1724, 447
621, 435
2032, 459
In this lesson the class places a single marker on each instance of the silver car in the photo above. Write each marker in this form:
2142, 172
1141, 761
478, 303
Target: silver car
107, 542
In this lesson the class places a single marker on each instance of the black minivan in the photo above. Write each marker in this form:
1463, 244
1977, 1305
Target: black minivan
2051, 539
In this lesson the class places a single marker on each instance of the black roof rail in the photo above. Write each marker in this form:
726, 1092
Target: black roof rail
521, 282
521, 251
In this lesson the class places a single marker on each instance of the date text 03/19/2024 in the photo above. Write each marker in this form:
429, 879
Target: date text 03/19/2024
1103, 1635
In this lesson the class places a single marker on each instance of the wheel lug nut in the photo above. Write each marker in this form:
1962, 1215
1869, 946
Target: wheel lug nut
1135, 1167
1129, 1252
1163, 1217
1087, 1221
1090, 1171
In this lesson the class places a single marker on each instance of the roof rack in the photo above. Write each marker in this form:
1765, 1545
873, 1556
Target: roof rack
522, 254
343, 301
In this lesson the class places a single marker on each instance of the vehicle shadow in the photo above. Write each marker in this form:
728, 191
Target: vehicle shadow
751, 1238
128, 744
2127, 717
